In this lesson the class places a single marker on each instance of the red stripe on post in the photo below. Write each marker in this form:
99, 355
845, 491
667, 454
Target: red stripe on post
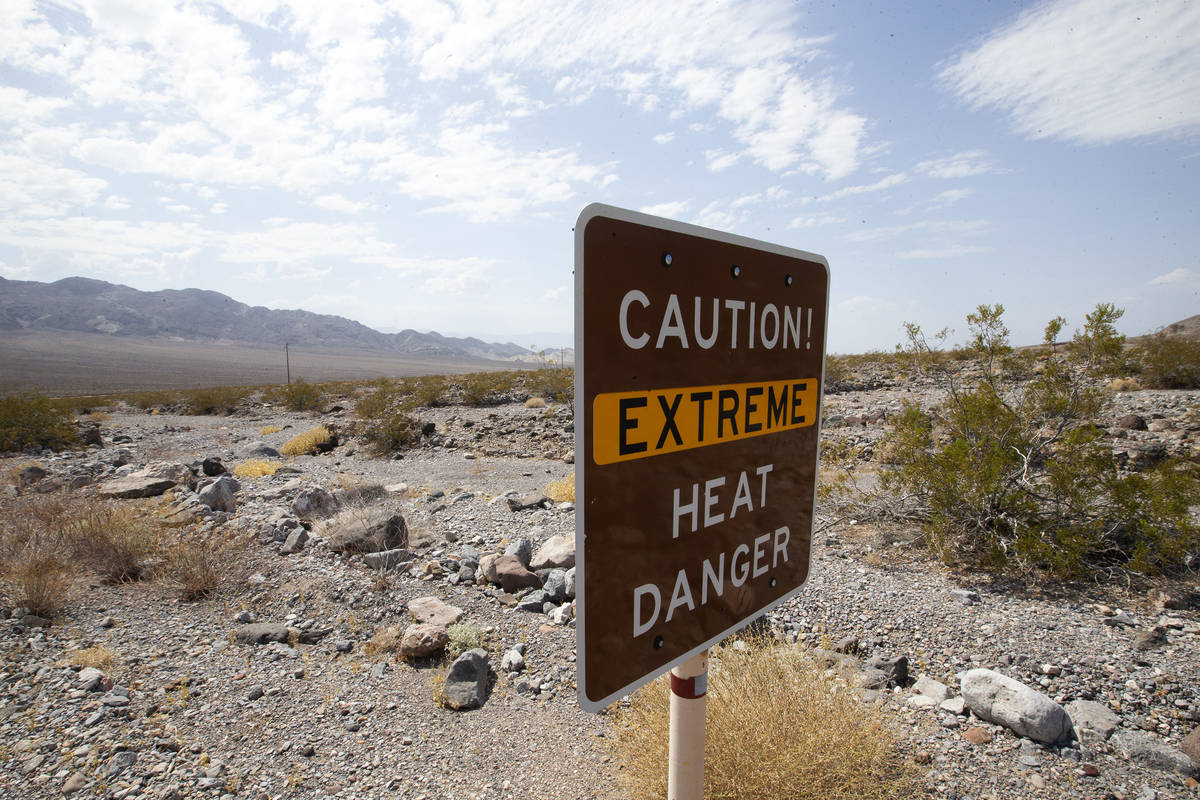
686, 687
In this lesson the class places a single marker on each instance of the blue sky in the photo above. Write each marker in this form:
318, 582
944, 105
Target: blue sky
421, 163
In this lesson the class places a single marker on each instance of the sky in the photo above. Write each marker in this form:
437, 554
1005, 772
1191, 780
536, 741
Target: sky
421, 163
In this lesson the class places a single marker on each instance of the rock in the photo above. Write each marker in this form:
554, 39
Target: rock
295, 542
527, 502
965, 596
563, 614
89, 434
895, 667
423, 640
1147, 749
74, 783
534, 601
848, 645
954, 705
261, 450
90, 679
487, 567
555, 585
557, 551
871, 678
522, 548
212, 467
30, 475
359, 495
1093, 722
977, 735
119, 763
512, 575
513, 661
219, 495
313, 502
389, 559
255, 692
1131, 422
570, 583
433, 611
466, 683
1145, 641
933, 689
999, 699
130, 487
1191, 745
261, 633
373, 531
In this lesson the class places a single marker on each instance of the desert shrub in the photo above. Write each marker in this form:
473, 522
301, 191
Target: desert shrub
34, 566
429, 391
256, 468
32, 420
562, 491
1124, 385
149, 400
215, 399
1016, 476
297, 396
199, 562
485, 388
385, 422
464, 636
267, 430
114, 541
384, 641
1099, 347
38, 582
1168, 362
553, 383
778, 727
308, 443
535, 402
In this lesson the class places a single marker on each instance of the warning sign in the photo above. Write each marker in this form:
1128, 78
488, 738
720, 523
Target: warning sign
699, 372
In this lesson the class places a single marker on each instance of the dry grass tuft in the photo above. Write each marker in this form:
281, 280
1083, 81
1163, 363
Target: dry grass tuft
535, 402
112, 540
562, 491
1124, 385
38, 582
308, 443
99, 656
267, 430
385, 641
778, 727
255, 468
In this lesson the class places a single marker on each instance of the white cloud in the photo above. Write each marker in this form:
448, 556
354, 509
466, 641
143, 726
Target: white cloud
1094, 71
933, 253
337, 202
950, 197
1181, 275
956, 227
719, 161
664, 138
672, 210
959, 165
887, 182
815, 221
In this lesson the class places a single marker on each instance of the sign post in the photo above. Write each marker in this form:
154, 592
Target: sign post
698, 381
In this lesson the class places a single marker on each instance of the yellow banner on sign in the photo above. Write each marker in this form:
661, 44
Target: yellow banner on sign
632, 425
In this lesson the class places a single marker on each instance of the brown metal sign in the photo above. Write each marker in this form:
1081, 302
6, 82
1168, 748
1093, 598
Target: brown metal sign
698, 382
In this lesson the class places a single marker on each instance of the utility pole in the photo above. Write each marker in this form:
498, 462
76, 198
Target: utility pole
288, 359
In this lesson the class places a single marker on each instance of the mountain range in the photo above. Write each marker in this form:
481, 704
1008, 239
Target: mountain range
86, 305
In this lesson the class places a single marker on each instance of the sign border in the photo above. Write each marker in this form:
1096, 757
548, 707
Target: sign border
588, 213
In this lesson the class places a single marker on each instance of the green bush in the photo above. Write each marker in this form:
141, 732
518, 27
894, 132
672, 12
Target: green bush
429, 391
485, 388
552, 383
29, 420
1098, 346
385, 422
1168, 362
1016, 476
215, 400
298, 396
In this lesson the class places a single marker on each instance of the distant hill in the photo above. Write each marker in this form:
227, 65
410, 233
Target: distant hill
85, 305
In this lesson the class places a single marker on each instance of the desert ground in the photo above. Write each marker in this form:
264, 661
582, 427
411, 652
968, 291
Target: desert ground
285, 680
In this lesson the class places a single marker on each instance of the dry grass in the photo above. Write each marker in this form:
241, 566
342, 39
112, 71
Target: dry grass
385, 642
1124, 385
112, 540
99, 416
99, 656
198, 565
562, 491
267, 430
308, 443
39, 583
535, 402
256, 468
778, 727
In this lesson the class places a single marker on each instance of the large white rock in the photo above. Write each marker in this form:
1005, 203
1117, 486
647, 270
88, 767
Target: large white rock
557, 551
1001, 700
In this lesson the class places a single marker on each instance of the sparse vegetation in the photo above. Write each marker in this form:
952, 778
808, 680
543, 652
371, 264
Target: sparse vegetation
98, 656
1168, 362
1013, 475
215, 399
552, 383
384, 642
562, 491
300, 395
385, 421
267, 430
485, 388
198, 566
112, 540
256, 468
464, 636
33, 421
311, 442
778, 727
429, 391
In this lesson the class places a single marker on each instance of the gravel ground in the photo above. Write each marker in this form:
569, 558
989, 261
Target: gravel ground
205, 715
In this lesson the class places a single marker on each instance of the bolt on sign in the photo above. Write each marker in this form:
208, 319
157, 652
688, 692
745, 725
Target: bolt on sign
699, 369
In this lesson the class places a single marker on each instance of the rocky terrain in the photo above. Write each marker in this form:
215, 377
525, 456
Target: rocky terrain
280, 684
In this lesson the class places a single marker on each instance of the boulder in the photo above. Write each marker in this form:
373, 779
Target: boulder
935, 690
487, 567
433, 611
1093, 722
1190, 745
356, 531
132, 487
1147, 749
1131, 422
522, 548
261, 633
261, 450
313, 502
555, 585
1001, 700
535, 601
512, 575
527, 502
895, 667
212, 467
557, 551
423, 640
389, 559
295, 542
219, 495
466, 683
